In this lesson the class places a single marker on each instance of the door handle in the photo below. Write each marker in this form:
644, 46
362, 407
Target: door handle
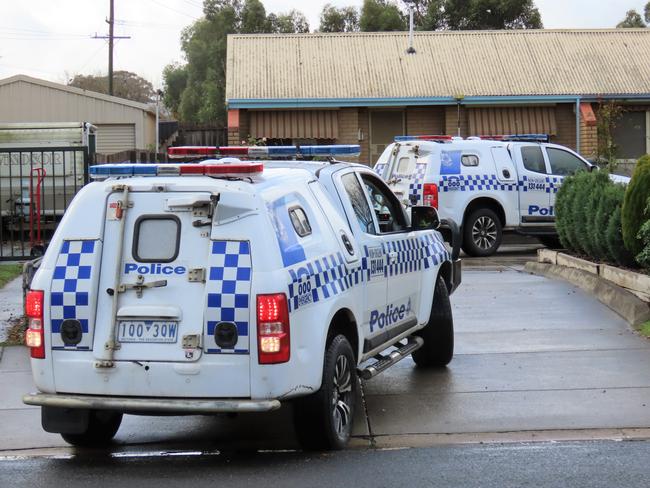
392, 257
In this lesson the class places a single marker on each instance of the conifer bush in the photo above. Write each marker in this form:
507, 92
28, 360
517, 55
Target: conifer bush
633, 210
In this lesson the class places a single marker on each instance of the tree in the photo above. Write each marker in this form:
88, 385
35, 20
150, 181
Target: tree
491, 14
381, 15
288, 23
125, 85
175, 81
344, 19
195, 92
633, 20
646, 12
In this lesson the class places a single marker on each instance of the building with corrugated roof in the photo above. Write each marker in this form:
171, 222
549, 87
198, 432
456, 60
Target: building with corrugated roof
363, 88
122, 124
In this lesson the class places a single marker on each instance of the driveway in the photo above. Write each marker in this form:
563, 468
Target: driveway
535, 358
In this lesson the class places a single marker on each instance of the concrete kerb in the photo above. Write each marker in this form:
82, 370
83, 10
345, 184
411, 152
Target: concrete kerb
634, 310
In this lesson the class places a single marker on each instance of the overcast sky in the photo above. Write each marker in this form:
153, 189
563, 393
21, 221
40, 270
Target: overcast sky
52, 39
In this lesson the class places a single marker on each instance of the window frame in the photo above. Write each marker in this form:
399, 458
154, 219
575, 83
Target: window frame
351, 205
547, 166
391, 196
548, 150
136, 237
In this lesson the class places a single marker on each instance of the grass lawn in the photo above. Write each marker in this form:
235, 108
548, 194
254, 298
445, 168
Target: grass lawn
8, 272
645, 329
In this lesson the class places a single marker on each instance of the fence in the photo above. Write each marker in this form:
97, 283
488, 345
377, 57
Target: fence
36, 186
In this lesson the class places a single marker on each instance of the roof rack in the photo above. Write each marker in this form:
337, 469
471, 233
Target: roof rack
519, 138
263, 152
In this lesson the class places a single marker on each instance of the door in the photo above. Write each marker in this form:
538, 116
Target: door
562, 163
384, 126
534, 200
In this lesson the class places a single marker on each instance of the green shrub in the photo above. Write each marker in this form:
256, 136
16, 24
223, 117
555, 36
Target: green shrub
614, 234
598, 182
612, 197
643, 258
562, 205
578, 213
634, 205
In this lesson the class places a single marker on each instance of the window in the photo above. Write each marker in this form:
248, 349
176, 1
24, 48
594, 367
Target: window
629, 135
533, 159
359, 203
405, 166
300, 221
564, 163
386, 206
156, 238
469, 160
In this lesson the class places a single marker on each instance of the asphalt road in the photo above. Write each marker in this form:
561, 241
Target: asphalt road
536, 359
604, 464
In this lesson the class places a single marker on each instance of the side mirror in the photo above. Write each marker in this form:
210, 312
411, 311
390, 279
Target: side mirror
424, 218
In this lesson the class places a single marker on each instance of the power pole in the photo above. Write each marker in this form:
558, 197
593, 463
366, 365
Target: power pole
111, 21
111, 37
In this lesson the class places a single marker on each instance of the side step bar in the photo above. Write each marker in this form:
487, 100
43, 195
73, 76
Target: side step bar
384, 362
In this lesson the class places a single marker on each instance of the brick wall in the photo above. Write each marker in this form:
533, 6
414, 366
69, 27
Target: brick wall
425, 121
238, 134
451, 121
353, 122
565, 118
588, 140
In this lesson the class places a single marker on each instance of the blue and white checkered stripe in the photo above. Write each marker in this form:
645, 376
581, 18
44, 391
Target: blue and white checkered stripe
414, 254
553, 183
380, 168
474, 183
330, 275
322, 278
73, 291
415, 187
228, 293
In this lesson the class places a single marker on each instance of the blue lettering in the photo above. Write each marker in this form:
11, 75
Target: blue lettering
373, 319
533, 209
154, 269
167, 270
128, 267
179, 269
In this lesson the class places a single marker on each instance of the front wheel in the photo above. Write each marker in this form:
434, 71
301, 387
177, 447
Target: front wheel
482, 233
438, 334
324, 420
102, 427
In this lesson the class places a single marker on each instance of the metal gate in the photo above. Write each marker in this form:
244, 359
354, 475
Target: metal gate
36, 186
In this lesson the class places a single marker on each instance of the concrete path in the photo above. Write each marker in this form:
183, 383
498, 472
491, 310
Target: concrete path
535, 357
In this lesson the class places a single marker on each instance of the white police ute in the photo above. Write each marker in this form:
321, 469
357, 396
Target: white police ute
234, 286
486, 184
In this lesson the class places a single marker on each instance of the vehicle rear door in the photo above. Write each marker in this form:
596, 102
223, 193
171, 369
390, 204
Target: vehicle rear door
534, 199
174, 284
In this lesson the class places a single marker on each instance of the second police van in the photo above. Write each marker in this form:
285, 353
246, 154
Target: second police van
229, 286
485, 184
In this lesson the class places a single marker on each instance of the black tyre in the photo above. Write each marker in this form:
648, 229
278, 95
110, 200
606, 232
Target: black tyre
482, 233
324, 420
102, 427
551, 241
438, 334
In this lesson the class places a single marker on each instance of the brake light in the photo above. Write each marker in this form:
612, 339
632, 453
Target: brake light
273, 335
430, 195
35, 336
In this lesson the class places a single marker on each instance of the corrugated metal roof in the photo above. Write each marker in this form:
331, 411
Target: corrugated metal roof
447, 64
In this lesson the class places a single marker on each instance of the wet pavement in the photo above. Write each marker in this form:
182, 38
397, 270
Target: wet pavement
535, 358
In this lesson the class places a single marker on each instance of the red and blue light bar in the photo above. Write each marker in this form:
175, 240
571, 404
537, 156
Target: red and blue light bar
186, 152
226, 169
424, 138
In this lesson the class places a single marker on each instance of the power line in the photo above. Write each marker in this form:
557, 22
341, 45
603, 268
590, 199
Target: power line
160, 4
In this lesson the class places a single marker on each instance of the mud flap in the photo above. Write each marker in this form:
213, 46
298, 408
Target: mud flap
64, 420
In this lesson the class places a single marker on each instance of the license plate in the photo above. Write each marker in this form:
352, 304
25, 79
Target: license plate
147, 331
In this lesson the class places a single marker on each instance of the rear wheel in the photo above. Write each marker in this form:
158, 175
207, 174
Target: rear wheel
438, 334
102, 427
324, 420
482, 233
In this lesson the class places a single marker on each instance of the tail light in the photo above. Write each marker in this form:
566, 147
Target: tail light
35, 336
273, 336
430, 195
